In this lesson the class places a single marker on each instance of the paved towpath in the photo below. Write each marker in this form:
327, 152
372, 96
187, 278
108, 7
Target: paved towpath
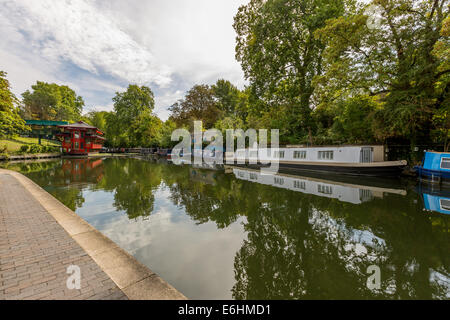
40, 238
35, 252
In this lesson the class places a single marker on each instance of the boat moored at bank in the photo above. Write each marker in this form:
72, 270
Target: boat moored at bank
435, 167
351, 160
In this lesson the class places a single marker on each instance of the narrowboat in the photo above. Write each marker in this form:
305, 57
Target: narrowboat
163, 152
350, 160
210, 155
435, 167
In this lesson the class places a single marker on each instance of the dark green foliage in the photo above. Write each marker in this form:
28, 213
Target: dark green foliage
24, 148
10, 121
49, 101
35, 148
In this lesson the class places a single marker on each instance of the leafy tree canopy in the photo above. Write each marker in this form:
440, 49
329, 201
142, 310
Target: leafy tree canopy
49, 101
10, 121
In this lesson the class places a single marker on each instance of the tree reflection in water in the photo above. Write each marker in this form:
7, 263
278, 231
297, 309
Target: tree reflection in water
298, 246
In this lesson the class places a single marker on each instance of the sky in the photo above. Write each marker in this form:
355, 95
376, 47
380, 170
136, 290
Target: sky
98, 47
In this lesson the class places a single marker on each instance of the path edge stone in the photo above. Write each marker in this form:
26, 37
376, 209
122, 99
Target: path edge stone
136, 280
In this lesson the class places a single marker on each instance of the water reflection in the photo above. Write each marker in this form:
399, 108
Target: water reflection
346, 192
241, 235
435, 199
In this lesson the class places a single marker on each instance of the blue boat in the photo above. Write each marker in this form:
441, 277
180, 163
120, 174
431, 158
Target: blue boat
435, 167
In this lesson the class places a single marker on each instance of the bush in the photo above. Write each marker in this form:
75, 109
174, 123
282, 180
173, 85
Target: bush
35, 148
54, 149
51, 149
24, 148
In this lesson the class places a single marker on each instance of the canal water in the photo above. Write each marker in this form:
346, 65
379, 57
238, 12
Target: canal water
235, 234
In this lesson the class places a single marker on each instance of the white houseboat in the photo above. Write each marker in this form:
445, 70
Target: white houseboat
353, 160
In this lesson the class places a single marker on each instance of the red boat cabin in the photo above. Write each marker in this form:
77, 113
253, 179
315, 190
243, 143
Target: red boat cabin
80, 138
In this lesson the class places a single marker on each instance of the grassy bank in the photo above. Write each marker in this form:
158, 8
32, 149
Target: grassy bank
14, 145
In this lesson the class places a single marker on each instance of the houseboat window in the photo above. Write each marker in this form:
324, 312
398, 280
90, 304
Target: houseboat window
67, 139
445, 163
299, 184
324, 189
299, 154
241, 174
445, 204
279, 181
279, 154
76, 147
326, 155
253, 176
76, 135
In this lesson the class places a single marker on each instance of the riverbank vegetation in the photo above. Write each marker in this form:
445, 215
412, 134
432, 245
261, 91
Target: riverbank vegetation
331, 72
320, 71
323, 73
17, 145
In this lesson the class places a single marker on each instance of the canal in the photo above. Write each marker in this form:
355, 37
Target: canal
235, 234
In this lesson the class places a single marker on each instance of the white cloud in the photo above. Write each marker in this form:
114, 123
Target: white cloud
78, 32
165, 100
195, 38
98, 47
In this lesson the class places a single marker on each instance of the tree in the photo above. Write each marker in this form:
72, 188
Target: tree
49, 101
227, 97
116, 132
231, 122
132, 103
353, 121
280, 55
393, 60
10, 121
98, 119
199, 104
441, 118
146, 131
166, 134
132, 119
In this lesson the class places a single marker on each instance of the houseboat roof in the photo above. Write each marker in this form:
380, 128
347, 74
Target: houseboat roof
437, 152
289, 146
